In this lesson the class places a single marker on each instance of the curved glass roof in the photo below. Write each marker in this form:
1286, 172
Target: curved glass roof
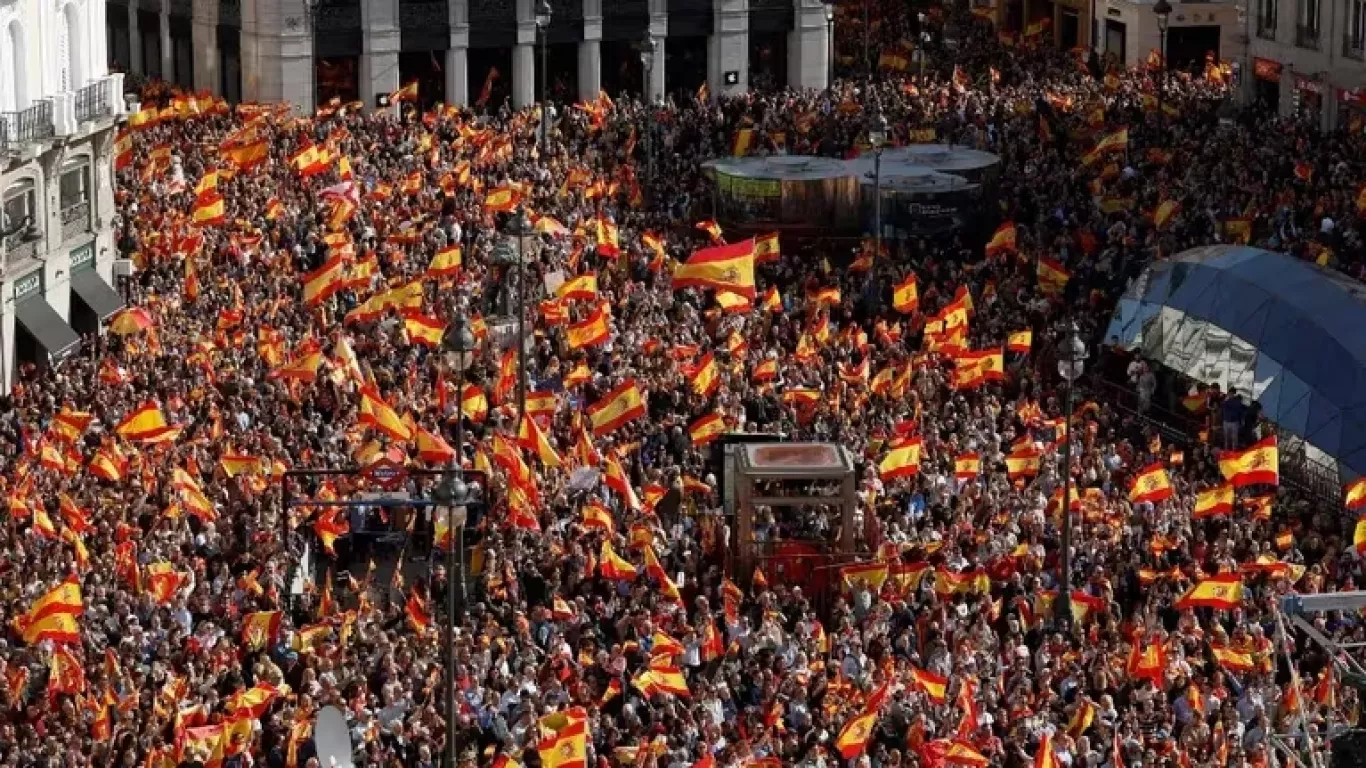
1288, 332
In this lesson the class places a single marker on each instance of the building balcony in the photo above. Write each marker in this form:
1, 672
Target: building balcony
75, 220
1354, 48
18, 249
1307, 37
26, 126
95, 101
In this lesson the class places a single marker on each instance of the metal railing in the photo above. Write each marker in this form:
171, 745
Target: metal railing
1354, 47
1266, 28
1307, 37
75, 220
94, 101
16, 250
32, 124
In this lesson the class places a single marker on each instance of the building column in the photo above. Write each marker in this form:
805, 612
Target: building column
809, 40
167, 50
728, 47
590, 51
205, 38
380, 41
524, 56
457, 63
277, 53
659, 30
134, 39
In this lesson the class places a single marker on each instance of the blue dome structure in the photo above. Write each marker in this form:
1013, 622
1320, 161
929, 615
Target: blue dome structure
1287, 333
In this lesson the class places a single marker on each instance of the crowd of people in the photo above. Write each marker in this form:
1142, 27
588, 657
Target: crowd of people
149, 470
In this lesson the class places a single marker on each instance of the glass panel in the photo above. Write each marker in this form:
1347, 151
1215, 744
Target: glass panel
1267, 387
1279, 337
1324, 426
1292, 410
1242, 364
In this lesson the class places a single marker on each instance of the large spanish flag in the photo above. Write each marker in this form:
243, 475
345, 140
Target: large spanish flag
1257, 465
1022, 463
446, 262
933, 686
903, 460
906, 295
612, 566
60, 628
583, 287
854, 736
766, 248
616, 408
707, 429
324, 281
1224, 592
423, 329
1354, 495
146, 423
1214, 502
589, 332
1003, 241
1234, 661
65, 598
1151, 485
721, 267
376, 413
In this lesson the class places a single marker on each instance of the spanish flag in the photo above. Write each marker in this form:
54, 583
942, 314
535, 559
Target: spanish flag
1003, 240
446, 262
310, 160
1234, 661
1022, 463
419, 616
247, 156
616, 408
540, 403
259, 629
712, 229
1223, 592
1354, 495
1052, 276
669, 679
1257, 465
1151, 485
474, 403
595, 515
433, 449
209, 209
723, 268
1044, 757
1213, 502
766, 248
706, 376
583, 287
566, 744
967, 466
406, 93
1164, 213
733, 303
1020, 342
422, 329
906, 295
146, 423
854, 736
903, 460
612, 566
589, 332
743, 138
707, 429
324, 281
501, 200
376, 413
253, 702
1117, 141
932, 685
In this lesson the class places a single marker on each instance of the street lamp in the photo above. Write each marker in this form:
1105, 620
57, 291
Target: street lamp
829, 45
543, 14
1163, 9
877, 136
867, 54
1071, 363
648, 48
924, 43
457, 344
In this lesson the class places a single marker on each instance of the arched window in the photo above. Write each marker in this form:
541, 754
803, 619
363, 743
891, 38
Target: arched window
73, 51
18, 68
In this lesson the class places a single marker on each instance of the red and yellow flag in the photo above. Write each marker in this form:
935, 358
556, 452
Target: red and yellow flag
906, 295
1151, 484
1256, 465
1003, 240
589, 332
932, 685
903, 460
1223, 592
707, 429
616, 408
722, 268
1213, 502
855, 734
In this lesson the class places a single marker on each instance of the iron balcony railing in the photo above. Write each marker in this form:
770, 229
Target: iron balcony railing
75, 220
94, 101
32, 124
16, 250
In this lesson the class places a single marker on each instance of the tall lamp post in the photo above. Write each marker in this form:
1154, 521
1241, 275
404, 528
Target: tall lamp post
867, 50
543, 14
1163, 9
457, 344
877, 136
829, 46
924, 43
1071, 363
648, 48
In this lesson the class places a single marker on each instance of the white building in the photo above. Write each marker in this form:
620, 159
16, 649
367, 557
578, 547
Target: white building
1309, 57
275, 50
58, 110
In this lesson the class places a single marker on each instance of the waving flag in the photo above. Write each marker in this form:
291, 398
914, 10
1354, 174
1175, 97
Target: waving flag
616, 408
1257, 465
1223, 592
1151, 485
723, 268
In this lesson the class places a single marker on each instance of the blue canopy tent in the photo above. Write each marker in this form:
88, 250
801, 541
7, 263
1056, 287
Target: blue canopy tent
1289, 334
